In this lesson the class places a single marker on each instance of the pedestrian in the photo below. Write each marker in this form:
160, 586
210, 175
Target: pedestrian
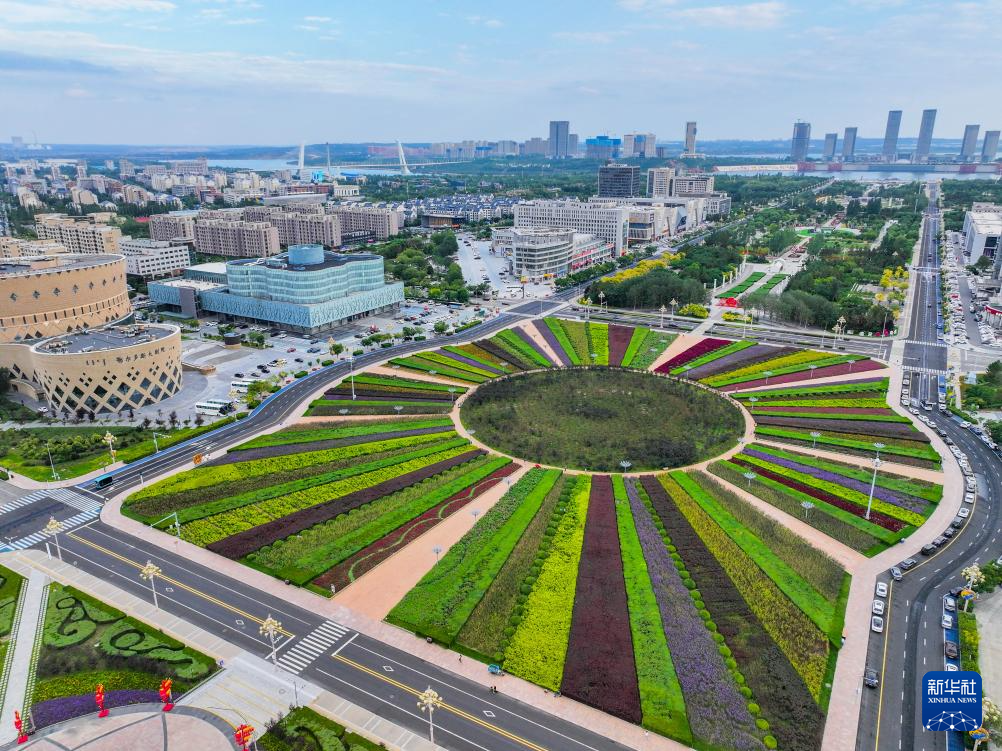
460, 658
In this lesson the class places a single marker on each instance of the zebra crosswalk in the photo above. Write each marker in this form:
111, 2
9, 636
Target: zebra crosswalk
87, 508
311, 646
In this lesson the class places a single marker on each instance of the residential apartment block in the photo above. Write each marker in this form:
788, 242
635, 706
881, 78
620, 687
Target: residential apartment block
236, 238
78, 234
174, 225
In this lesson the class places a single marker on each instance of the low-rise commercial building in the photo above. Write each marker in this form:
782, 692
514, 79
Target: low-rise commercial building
305, 289
152, 259
545, 252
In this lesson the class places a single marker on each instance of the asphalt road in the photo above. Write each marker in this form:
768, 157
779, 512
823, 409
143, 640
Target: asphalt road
913, 639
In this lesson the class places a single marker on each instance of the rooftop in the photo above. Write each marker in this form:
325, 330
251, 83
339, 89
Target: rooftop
215, 267
331, 260
201, 286
60, 262
105, 338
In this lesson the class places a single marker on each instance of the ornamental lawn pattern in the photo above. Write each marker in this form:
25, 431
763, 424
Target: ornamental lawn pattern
600, 669
537, 649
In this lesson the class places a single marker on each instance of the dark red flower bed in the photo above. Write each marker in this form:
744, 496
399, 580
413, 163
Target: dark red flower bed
860, 366
742, 359
524, 336
903, 430
823, 410
265, 452
700, 348
52, 711
372, 555
502, 354
238, 545
551, 339
470, 361
600, 669
887, 522
795, 720
619, 340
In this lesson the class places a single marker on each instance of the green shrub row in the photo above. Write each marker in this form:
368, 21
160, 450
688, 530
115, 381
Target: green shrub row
925, 452
825, 388
636, 342
511, 340
317, 432
598, 339
426, 366
554, 326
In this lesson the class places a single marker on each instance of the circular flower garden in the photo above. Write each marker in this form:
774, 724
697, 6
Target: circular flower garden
602, 419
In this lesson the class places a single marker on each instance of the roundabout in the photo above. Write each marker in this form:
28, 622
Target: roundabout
601, 419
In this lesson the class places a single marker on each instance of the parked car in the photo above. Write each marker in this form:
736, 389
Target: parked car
951, 650
951, 668
939, 541
907, 564
946, 621
968, 497
949, 604
928, 549
949, 532
877, 624
881, 589
896, 574
878, 607
291, 349
870, 678
238, 375
963, 513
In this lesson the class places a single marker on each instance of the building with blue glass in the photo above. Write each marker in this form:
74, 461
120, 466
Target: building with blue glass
305, 289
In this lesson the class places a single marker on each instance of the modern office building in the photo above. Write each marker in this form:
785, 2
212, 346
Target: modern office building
78, 234
982, 233
639, 144
690, 139
176, 224
659, 181
560, 131
606, 220
831, 140
305, 289
891, 132
603, 147
618, 181
991, 146
849, 145
153, 259
801, 141
544, 252
107, 369
235, 238
924, 142
969, 146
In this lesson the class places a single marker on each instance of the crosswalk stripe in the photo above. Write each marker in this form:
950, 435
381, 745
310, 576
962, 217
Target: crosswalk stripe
311, 646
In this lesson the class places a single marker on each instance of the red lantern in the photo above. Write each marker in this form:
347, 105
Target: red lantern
242, 735
99, 700
19, 725
165, 691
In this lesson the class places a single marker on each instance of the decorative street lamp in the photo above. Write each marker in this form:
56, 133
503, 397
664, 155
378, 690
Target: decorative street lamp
625, 464
807, 506
270, 628
873, 485
437, 550
815, 435
150, 572
673, 303
878, 446
452, 394
601, 299
351, 373
110, 440
662, 310
52, 466
430, 700
812, 367
749, 476
767, 374
54, 527
587, 302
398, 408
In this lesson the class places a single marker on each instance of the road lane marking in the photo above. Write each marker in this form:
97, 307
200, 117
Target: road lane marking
883, 667
176, 583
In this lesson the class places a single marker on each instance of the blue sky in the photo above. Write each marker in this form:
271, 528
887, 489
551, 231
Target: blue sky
260, 71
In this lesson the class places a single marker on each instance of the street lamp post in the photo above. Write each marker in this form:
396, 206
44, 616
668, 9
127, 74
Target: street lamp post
430, 700
156, 444
815, 435
749, 476
807, 506
52, 465
452, 394
767, 374
351, 373
437, 550
812, 367
625, 465
54, 527
662, 310
270, 628
587, 302
150, 572
873, 485
878, 446
110, 440
673, 303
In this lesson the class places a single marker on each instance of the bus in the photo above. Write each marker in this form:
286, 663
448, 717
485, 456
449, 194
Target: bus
241, 385
214, 407
104, 481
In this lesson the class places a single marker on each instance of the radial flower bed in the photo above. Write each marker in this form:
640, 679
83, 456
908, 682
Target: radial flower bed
697, 350
557, 341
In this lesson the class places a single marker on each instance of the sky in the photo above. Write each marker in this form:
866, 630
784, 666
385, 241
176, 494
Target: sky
266, 72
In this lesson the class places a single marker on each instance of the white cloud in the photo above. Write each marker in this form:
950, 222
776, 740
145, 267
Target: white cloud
590, 37
77, 92
243, 21
492, 23
763, 15
76, 11
317, 19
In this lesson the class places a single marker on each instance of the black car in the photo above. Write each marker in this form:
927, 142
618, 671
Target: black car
870, 678
949, 532
939, 541
299, 359
928, 549
951, 650
955, 592
238, 375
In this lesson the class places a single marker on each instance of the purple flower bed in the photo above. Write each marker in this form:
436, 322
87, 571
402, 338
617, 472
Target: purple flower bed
739, 359
51, 711
470, 361
792, 390
700, 348
551, 339
860, 366
717, 712
903, 430
524, 336
901, 500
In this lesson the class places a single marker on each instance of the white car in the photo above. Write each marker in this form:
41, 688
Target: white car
968, 497
947, 621
963, 513
951, 668
877, 624
878, 607
881, 589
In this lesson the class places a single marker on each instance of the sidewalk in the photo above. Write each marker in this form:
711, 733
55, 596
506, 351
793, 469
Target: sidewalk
32, 607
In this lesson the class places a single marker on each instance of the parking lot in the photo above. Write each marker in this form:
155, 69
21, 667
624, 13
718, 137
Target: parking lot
480, 265
967, 327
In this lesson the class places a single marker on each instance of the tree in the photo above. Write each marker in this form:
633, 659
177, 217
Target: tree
441, 327
335, 348
199, 420
145, 424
